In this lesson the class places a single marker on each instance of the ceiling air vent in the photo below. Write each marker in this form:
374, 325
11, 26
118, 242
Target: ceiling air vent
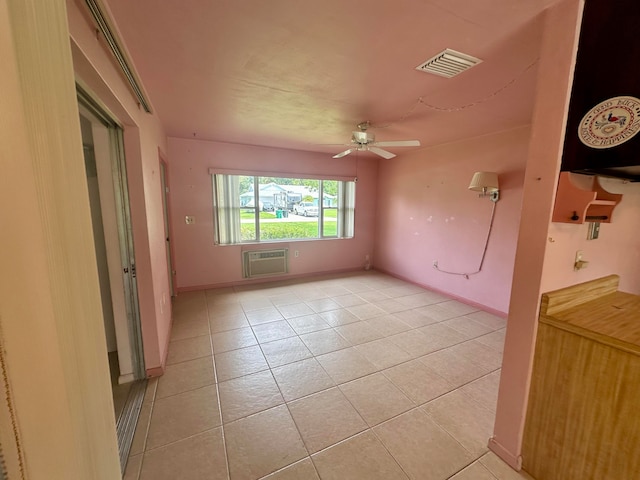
448, 63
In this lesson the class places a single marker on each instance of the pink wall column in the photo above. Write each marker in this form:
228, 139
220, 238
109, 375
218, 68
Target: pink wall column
555, 73
199, 263
144, 135
426, 213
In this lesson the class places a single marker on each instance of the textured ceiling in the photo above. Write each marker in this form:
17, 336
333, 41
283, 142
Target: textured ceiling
292, 74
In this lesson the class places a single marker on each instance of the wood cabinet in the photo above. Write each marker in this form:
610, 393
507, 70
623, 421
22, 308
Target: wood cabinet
583, 420
576, 205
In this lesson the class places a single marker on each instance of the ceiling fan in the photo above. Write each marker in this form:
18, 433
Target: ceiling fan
364, 141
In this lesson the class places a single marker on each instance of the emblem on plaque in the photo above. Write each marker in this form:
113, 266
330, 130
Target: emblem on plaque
610, 123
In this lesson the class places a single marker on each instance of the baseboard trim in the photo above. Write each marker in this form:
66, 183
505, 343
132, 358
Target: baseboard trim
514, 461
155, 372
274, 279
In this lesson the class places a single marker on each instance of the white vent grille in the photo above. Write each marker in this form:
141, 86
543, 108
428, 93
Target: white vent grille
260, 263
448, 63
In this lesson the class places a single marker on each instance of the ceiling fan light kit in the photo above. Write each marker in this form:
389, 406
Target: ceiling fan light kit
363, 141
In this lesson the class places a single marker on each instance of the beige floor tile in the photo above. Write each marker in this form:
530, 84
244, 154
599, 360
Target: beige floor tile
375, 398
492, 321
416, 300
302, 470
323, 305
308, 324
418, 382
287, 350
140, 434
185, 376
475, 471
150, 391
264, 315
458, 308
440, 336
437, 312
451, 365
227, 310
358, 332
183, 415
414, 318
484, 390
189, 328
391, 305
302, 378
494, 340
421, 447
464, 419
324, 341
281, 299
366, 311
269, 332
132, 470
383, 353
402, 289
388, 325
339, 317
256, 303
200, 457
346, 365
360, 457
480, 353
295, 310
372, 295
335, 290
263, 443
501, 470
465, 325
189, 349
233, 339
250, 394
414, 342
227, 322
237, 363
349, 300
325, 418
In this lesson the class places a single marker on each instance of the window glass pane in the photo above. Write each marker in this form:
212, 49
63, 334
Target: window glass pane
289, 208
247, 209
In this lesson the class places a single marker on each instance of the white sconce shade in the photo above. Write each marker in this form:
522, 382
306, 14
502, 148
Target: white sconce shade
487, 183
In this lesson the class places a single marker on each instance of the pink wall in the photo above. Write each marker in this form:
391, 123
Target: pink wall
199, 263
617, 250
144, 135
426, 213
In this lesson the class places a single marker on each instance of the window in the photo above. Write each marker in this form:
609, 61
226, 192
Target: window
265, 209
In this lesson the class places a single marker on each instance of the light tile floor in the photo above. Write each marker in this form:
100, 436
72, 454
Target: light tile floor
359, 376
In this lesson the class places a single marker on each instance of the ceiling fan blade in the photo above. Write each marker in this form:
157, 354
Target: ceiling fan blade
382, 153
344, 154
399, 143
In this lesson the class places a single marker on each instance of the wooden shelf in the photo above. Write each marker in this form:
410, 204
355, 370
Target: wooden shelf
575, 205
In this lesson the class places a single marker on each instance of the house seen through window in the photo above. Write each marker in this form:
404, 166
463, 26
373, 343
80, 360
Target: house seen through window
264, 209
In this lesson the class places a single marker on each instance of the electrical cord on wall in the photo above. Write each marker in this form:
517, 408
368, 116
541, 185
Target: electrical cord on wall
484, 252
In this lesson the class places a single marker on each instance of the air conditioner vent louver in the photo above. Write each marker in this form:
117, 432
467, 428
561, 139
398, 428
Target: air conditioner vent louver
448, 63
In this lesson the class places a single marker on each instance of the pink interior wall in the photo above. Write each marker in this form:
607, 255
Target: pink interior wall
426, 213
199, 263
616, 251
144, 135
555, 72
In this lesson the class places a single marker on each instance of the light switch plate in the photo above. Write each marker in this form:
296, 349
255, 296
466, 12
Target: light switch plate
594, 230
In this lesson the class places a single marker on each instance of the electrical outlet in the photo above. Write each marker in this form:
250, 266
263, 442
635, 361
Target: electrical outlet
189, 219
296, 254
579, 263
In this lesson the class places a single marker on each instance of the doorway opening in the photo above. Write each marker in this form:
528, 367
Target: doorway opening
105, 167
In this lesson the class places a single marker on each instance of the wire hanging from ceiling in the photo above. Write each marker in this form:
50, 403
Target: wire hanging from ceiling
421, 101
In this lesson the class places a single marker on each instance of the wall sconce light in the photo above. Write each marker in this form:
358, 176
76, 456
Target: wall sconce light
487, 184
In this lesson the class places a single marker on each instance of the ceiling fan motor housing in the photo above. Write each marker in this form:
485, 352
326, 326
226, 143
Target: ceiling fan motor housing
363, 137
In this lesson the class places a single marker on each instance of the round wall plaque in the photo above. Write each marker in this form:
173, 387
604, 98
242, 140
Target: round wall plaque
610, 123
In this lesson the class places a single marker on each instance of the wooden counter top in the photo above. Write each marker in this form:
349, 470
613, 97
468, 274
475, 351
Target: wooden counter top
597, 311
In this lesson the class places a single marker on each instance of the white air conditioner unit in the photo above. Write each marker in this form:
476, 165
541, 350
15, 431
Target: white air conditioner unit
260, 263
